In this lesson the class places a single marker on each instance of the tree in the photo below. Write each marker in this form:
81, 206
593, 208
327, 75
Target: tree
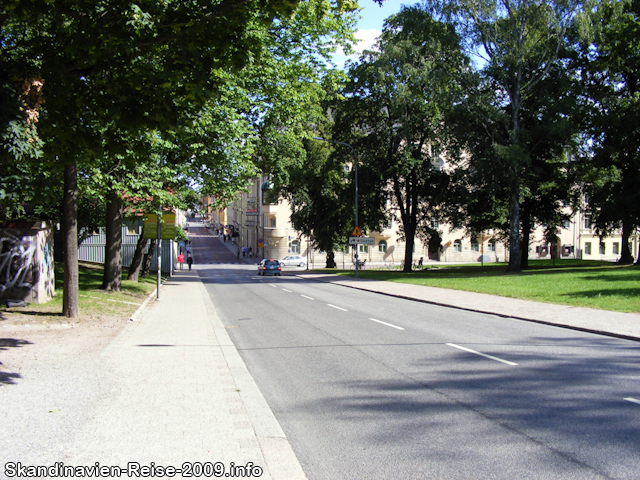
610, 72
548, 132
320, 197
520, 44
135, 65
394, 112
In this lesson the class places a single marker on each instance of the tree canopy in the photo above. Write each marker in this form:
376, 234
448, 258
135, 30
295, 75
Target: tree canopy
109, 75
394, 113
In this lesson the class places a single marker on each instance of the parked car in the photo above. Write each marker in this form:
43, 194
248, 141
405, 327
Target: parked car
292, 260
269, 267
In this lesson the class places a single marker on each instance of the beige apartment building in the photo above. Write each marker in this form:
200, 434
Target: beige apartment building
257, 220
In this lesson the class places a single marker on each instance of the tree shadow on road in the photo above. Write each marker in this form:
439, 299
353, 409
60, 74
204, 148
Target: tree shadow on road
8, 378
566, 396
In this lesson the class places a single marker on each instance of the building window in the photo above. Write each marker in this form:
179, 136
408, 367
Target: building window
587, 248
272, 222
616, 248
133, 227
587, 221
602, 248
475, 247
457, 246
566, 224
382, 246
363, 248
436, 159
295, 246
491, 246
434, 223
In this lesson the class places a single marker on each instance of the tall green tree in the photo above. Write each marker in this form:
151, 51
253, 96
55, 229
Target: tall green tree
519, 43
549, 131
609, 65
394, 114
135, 64
320, 197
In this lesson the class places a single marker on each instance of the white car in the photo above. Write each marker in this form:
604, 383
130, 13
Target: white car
293, 260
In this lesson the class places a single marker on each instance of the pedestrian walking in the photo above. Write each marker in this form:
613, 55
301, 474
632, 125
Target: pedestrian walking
189, 261
238, 253
181, 260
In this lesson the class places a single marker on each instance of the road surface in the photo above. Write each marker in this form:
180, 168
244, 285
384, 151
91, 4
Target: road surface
371, 386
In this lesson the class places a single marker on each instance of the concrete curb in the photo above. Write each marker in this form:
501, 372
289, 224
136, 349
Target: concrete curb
134, 315
133, 318
280, 460
487, 312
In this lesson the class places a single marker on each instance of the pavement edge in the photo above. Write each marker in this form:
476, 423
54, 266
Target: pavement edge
279, 457
484, 312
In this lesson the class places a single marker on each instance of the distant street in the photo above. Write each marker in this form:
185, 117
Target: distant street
372, 386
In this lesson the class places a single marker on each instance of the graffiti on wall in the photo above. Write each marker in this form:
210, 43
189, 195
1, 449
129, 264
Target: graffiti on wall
16, 261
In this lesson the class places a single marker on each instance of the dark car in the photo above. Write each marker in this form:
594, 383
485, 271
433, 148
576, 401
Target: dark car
269, 267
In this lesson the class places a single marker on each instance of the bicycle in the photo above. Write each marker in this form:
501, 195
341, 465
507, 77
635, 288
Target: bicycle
360, 264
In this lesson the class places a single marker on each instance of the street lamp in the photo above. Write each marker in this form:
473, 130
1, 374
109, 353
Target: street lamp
355, 161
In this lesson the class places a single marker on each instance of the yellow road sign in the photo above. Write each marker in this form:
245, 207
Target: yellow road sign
168, 226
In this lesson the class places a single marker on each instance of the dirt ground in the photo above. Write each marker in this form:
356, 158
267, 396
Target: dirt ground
29, 339
51, 377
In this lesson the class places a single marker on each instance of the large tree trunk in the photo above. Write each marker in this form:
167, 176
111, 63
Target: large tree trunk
514, 229
410, 239
408, 251
136, 262
331, 260
112, 279
526, 234
146, 263
627, 256
70, 289
409, 214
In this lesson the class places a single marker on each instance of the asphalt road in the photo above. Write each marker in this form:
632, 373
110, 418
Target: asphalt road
369, 386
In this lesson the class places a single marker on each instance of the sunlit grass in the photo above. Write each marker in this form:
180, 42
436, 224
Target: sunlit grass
586, 284
94, 302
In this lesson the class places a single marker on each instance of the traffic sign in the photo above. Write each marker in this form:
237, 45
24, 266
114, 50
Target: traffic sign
362, 240
356, 232
168, 228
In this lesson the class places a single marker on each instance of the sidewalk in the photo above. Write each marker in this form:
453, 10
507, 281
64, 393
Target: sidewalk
185, 395
617, 324
233, 248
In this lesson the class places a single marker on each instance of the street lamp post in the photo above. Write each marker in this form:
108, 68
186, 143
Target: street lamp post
355, 162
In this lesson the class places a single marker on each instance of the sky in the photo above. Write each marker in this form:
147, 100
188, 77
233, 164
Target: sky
370, 25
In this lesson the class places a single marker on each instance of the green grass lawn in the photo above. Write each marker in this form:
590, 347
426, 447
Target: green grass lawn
93, 301
579, 283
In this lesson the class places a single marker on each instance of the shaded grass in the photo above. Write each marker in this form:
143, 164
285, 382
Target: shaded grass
93, 302
599, 285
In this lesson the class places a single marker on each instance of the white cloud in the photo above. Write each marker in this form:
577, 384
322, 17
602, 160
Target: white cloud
366, 40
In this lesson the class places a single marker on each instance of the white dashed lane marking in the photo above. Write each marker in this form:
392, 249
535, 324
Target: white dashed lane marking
339, 308
481, 354
387, 324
